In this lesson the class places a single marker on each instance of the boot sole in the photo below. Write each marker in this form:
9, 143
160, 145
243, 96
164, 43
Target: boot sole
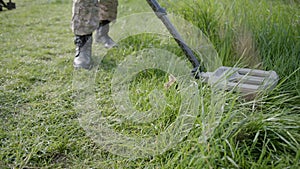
87, 67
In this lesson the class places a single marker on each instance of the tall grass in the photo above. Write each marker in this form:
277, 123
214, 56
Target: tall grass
257, 34
39, 124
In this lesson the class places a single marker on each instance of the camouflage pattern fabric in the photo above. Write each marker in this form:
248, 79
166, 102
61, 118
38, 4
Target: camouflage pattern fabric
88, 13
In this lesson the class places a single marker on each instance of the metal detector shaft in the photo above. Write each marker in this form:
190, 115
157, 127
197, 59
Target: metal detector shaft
162, 15
244, 80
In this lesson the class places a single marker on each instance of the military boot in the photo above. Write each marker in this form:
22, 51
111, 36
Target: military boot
102, 35
83, 51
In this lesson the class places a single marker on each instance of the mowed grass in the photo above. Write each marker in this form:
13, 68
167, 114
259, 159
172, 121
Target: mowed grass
39, 123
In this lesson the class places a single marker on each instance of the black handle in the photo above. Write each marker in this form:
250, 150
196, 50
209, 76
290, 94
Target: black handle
162, 15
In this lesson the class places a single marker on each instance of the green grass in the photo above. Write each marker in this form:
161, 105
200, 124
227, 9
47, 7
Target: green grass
39, 122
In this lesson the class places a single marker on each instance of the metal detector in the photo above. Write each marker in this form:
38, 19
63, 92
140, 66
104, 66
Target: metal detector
246, 81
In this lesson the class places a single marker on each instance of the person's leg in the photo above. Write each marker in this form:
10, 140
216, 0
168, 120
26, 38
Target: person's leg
107, 13
85, 20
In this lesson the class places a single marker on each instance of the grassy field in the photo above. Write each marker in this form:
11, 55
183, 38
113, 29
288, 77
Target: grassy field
39, 126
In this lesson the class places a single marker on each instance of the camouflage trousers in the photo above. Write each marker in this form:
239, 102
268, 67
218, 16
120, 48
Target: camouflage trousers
87, 14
